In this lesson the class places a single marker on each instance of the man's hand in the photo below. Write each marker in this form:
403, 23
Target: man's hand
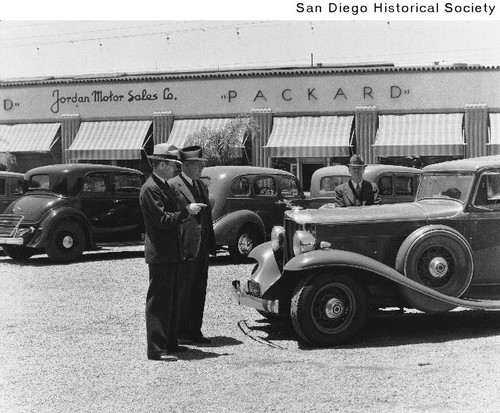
195, 207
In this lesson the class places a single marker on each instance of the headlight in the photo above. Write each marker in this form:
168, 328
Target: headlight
303, 241
277, 238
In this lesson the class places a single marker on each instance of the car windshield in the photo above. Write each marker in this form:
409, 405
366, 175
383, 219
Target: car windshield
456, 186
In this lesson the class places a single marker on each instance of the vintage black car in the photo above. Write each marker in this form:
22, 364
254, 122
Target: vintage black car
247, 201
11, 188
395, 183
67, 209
326, 269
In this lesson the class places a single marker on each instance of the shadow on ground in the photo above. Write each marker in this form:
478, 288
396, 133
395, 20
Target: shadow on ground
386, 329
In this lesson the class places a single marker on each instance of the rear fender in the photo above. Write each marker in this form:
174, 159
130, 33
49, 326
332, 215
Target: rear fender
322, 259
227, 227
55, 216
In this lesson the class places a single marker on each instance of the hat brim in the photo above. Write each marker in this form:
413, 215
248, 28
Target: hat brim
159, 158
195, 159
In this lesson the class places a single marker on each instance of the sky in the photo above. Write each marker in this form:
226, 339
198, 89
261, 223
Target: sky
69, 47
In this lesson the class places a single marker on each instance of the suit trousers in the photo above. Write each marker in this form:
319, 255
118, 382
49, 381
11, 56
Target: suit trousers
192, 292
161, 307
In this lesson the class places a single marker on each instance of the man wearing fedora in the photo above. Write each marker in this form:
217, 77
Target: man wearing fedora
197, 242
162, 218
357, 191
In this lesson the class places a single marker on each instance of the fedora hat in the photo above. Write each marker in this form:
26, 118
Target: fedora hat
165, 152
356, 160
191, 153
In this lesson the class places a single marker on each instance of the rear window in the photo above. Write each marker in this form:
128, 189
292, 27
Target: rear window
39, 182
288, 187
329, 183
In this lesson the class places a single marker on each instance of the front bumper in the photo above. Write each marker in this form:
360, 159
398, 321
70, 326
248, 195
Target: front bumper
11, 241
248, 300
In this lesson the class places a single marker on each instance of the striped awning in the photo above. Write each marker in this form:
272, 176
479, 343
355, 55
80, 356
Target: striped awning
420, 134
308, 136
28, 137
112, 140
494, 143
184, 128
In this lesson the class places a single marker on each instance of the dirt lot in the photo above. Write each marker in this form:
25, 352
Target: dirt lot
72, 339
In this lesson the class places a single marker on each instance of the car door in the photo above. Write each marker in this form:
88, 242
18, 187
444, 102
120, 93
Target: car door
126, 211
485, 228
97, 203
265, 200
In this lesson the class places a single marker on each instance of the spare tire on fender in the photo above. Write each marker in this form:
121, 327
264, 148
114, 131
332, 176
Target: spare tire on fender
438, 257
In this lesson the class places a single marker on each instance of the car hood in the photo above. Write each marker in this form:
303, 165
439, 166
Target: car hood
412, 211
34, 206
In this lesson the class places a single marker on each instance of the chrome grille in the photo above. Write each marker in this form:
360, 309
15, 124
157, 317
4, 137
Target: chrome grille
9, 224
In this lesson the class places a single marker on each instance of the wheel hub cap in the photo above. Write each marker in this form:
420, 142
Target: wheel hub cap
245, 244
334, 308
438, 267
67, 242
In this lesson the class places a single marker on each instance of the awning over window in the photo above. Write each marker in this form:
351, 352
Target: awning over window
494, 143
184, 128
113, 140
420, 134
308, 136
28, 137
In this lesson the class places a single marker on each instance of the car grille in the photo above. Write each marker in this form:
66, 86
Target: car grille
9, 224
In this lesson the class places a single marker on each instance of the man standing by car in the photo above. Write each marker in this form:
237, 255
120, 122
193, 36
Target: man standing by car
357, 191
161, 247
197, 242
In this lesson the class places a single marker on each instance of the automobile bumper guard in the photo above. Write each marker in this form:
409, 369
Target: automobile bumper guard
247, 300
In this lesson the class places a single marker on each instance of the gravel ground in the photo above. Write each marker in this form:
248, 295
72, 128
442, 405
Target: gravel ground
72, 339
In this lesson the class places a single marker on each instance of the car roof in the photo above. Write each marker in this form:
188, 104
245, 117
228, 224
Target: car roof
77, 168
232, 171
371, 170
6, 174
465, 165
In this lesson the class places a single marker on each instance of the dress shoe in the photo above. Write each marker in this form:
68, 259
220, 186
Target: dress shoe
178, 349
162, 357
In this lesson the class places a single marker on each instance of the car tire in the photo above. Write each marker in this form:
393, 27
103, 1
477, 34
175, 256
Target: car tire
438, 257
18, 253
329, 309
247, 239
66, 242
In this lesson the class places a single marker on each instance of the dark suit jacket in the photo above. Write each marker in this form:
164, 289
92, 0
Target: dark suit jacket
190, 229
161, 220
344, 196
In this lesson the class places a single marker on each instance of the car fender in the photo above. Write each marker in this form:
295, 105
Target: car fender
55, 216
227, 227
321, 259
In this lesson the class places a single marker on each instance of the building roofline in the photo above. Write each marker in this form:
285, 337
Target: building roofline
240, 73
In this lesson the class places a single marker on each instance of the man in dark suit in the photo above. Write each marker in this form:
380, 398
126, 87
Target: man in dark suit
197, 242
162, 218
357, 191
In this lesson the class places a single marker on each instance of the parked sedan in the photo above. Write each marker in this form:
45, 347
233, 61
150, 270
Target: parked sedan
326, 269
67, 209
395, 183
247, 201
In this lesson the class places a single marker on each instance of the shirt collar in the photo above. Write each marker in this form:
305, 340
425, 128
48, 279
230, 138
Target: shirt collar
160, 178
187, 178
